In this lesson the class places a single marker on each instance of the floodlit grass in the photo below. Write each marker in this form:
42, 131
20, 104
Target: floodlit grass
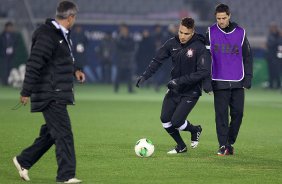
107, 125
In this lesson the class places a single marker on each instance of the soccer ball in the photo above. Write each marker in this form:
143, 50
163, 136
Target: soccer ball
144, 148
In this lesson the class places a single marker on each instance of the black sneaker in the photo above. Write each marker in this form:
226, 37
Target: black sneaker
195, 137
222, 151
229, 150
178, 149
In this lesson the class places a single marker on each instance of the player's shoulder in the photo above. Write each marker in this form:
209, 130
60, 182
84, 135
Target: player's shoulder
171, 42
44, 29
213, 25
46, 32
210, 27
236, 25
200, 39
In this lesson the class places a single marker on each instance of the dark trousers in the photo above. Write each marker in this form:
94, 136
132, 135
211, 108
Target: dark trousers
175, 109
57, 130
274, 73
224, 101
106, 71
6, 68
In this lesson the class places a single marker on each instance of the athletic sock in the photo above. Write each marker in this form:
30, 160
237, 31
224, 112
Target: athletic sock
174, 133
189, 127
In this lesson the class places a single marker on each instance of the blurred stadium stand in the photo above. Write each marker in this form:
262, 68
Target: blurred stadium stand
112, 8
251, 14
254, 15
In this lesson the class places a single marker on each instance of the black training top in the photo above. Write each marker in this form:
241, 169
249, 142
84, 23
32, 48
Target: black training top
190, 63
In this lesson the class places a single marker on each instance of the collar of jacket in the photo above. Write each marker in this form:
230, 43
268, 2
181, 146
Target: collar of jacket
52, 23
230, 27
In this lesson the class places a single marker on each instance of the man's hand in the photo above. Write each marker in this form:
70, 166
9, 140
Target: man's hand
140, 81
208, 90
210, 93
172, 84
24, 100
80, 76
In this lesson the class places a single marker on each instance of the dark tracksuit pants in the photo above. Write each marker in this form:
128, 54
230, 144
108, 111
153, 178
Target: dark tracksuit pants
225, 101
6, 68
57, 130
176, 108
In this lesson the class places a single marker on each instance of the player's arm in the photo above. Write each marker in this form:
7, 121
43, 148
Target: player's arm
207, 40
162, 54
207, 82
248, 64
78, 72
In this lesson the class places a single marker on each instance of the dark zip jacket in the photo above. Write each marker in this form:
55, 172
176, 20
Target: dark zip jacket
190, 63
49, 68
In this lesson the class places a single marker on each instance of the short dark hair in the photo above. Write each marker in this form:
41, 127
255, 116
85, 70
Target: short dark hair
66, 9
221, 8
188, 22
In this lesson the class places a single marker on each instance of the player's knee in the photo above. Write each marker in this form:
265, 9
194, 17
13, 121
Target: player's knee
178, 124
166, 125
165, 119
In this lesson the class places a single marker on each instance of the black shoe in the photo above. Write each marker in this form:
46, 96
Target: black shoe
229, 150
222, 151
195, 137
178, 149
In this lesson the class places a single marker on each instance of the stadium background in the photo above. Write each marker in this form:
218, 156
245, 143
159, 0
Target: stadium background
99, 17
106, 125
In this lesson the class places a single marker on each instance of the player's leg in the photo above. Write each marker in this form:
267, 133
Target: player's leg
32, 154
236, 113
168, 109
184, 107
221, 102
58, 122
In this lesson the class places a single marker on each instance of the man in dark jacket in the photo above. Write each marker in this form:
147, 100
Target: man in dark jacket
8, 42
271, 57
49, 83
231, 74
191, 64
125, 51
105, 53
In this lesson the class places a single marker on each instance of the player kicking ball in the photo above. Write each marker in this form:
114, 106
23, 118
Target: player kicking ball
190, 66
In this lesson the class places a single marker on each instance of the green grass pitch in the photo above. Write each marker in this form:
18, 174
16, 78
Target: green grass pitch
107, 125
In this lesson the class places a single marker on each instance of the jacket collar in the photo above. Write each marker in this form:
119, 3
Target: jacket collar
55, 25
